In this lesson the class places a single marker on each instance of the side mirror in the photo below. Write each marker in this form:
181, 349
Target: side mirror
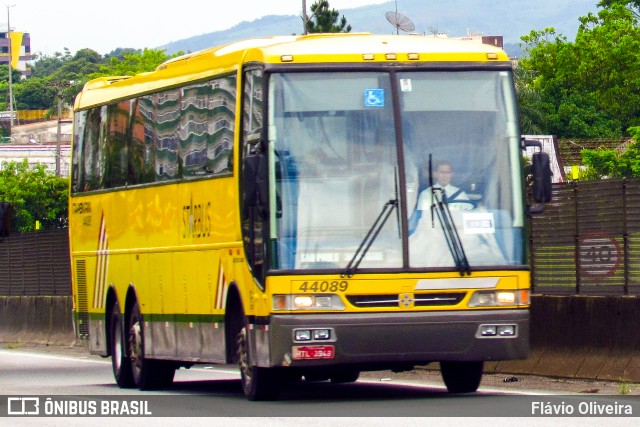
255, 187
541, 171
5, 219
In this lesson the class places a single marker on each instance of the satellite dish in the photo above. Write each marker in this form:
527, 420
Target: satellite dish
400, 21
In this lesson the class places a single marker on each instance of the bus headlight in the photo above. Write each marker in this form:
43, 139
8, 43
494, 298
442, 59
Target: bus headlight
499, 298
307, 302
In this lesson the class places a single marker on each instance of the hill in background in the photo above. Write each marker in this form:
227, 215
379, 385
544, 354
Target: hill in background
508, 18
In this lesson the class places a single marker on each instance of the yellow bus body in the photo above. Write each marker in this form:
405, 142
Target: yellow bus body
176, 247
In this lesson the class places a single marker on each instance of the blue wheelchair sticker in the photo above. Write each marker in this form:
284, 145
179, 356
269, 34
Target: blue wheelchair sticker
374, 97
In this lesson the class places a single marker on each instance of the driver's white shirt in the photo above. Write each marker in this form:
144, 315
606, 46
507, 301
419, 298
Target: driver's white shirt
425, 202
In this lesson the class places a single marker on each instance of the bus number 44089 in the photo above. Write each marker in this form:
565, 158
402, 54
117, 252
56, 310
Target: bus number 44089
324, 286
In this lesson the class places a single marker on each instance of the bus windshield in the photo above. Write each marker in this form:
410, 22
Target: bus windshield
339, 154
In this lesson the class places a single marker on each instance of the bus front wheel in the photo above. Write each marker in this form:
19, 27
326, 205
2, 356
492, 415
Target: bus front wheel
345, 375
148, 374
257, 383
461, 377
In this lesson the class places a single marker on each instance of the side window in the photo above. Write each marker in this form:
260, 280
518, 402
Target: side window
146, 117
252, 98
222, 118
193, 130
165, 136
116, 147
207, 127
141, 143
78, 171
168, 163
87, 150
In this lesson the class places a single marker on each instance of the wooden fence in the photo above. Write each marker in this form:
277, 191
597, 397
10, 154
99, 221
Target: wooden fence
35, 264
587, 241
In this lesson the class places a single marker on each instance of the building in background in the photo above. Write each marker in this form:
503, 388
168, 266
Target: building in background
20, 50
497, 41
549, 146
38, 143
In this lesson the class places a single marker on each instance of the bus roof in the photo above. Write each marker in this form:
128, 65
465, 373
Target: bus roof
315, 48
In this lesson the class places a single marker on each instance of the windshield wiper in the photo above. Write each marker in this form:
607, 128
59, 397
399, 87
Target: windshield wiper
440, 205
373, 232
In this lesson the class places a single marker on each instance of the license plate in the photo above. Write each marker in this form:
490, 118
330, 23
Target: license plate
305, 352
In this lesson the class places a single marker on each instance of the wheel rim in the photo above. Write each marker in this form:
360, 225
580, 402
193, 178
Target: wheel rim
117, 347
135, 347
243, 359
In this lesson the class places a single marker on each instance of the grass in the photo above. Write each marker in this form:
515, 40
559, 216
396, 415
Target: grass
624, 388
12, 346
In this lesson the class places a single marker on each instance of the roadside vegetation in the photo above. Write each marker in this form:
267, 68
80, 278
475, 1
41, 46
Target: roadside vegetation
587, 88
35, 195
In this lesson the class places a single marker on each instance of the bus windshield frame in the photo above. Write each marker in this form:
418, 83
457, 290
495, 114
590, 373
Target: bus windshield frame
342, 145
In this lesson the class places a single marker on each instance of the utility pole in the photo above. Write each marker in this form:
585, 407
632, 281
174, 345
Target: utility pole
305, 18
10, 70
60, 85
58, 135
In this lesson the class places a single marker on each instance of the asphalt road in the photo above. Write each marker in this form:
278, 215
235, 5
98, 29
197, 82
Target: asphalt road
71, 374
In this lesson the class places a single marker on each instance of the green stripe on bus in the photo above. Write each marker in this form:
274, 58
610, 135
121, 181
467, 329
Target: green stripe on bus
172, 318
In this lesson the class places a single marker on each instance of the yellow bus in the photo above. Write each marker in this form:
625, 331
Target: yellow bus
275, 203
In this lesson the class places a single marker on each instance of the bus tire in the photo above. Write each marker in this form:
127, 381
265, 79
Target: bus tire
120, 362
461, 377
257, 383
148, 374
344, 375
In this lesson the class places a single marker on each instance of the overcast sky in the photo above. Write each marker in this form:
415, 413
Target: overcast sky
106, 25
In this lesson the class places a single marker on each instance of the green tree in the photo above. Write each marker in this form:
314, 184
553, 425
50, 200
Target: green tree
607, 163
586, 86
46, 65
35, 194
134, 62
325, 20
120, 53
532, 114
4, 85
70, 73
34, 94
82, 64
632, 5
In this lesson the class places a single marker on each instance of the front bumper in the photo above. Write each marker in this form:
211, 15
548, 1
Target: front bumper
393, 338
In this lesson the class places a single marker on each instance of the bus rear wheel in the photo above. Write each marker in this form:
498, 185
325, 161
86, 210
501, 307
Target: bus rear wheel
461, 377
120, 362
257, 383
148, 374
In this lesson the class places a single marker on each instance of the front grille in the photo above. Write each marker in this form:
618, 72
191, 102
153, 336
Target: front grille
393, 300
83, 304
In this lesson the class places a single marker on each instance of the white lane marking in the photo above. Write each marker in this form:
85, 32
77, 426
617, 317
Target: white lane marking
52, 357
491, 390
224, 369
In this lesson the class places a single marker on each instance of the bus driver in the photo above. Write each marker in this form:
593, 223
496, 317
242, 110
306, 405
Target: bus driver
455, 197
443, 174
